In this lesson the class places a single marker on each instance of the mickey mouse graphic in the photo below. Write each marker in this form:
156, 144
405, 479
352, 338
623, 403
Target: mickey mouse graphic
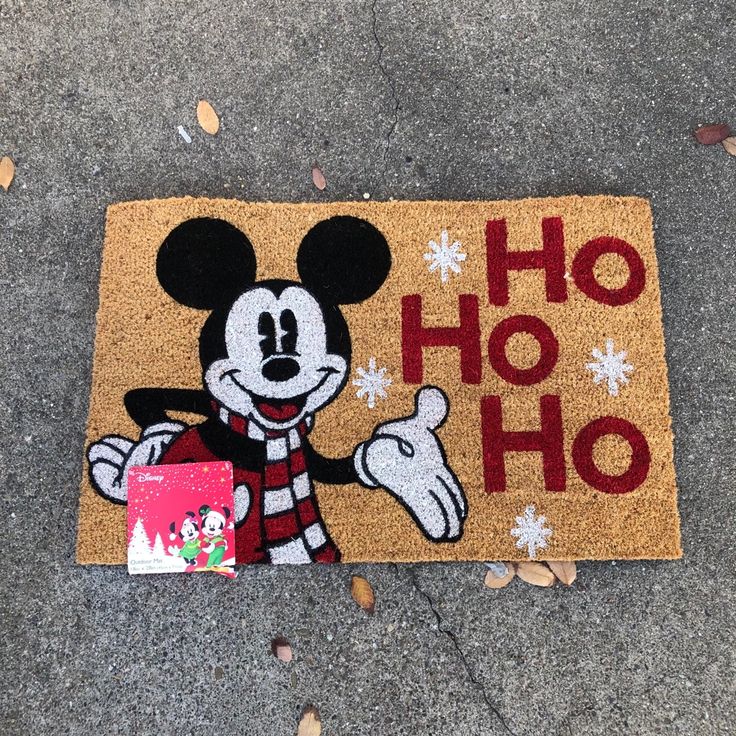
273, 353
215, 544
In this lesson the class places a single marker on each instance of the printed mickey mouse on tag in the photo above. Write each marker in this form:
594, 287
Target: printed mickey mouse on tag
273, 354
214, 543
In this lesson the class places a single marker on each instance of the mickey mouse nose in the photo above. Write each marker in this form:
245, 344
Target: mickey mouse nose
280, 369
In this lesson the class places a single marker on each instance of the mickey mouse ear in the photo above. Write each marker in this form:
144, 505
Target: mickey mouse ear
344, 260
205, 262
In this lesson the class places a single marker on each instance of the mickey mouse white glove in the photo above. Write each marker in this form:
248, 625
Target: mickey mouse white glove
111, 457
406, 457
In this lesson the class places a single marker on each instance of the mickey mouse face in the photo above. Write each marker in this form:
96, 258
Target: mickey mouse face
277, 367
274, 351
213, 522
211, 526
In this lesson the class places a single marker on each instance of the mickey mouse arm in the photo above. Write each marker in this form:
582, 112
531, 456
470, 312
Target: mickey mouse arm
147, 406
329, 470
405, 456
112, 456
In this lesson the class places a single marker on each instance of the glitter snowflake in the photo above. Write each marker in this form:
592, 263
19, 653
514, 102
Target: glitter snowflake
611, 367
531, 531
444, 256
372, 383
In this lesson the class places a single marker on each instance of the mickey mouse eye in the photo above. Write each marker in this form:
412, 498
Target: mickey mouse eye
267, 330
289, 328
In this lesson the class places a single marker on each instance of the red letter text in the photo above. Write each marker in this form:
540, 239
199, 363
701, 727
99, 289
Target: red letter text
583, 266
547, 440
415, 337
548, 347
499, 260
582, 455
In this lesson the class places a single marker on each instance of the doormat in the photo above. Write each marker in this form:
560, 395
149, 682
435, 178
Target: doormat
396, 381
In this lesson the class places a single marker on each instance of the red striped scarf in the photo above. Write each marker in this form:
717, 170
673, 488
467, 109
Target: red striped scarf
292, 526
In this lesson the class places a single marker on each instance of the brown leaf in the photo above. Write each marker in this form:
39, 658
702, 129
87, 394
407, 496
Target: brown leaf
535, 573
281, 649
318, 178
730, 145
362, 593
310, 724
7, 172
219, 673
207, 117
500, 575
566, 572
710, 134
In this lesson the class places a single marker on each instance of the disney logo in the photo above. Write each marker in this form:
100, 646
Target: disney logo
147, 476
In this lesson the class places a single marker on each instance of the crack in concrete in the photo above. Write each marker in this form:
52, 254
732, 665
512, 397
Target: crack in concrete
477, 684
392, 86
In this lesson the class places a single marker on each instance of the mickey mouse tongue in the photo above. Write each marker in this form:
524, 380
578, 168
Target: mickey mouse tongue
278, 411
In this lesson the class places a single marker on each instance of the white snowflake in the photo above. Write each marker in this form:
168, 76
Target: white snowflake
444, 256
372, 383
611, 367
531, 531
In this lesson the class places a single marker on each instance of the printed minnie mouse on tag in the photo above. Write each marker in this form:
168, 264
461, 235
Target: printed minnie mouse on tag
273, 354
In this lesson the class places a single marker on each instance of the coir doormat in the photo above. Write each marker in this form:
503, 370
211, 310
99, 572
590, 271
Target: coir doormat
391, 381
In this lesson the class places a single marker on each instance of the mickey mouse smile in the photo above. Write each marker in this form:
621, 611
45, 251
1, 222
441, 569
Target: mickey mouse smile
278, 409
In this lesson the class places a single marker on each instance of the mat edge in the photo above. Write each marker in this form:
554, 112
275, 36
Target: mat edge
113, 207
367, 561
78, 553
668, 397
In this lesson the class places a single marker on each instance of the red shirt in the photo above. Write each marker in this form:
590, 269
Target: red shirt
189, 447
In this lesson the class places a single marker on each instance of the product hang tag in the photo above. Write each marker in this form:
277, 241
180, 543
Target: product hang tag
181, 518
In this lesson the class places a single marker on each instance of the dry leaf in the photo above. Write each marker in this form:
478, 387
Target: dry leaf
566, 572
218, 673
499, 574
710, 134
281, 649
535, 573
207, 117
310, 724
7, 172
318, 178
362, 593
730, 145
